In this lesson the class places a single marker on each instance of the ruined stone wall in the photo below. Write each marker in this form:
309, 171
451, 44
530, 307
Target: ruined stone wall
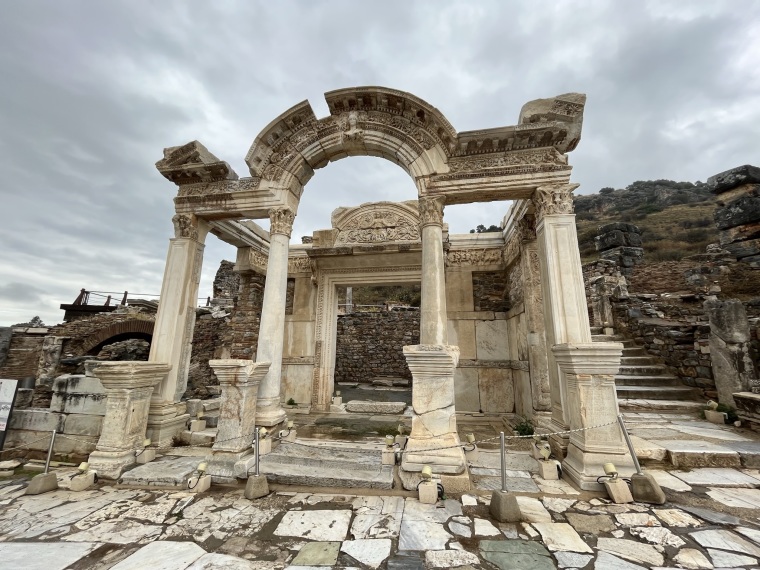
5, 342
490, 292
371, 344
23, 354
210, 341
246, 316
226, 281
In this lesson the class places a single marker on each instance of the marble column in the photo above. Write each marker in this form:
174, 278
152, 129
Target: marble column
433, 306
269, 410
239, 380
540, 389
434, 423
588, 370
175, 322
128, 387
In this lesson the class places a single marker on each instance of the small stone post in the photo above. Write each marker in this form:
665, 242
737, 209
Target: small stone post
129, 386
239, 380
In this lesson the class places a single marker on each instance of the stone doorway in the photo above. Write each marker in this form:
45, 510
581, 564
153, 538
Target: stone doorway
374, 324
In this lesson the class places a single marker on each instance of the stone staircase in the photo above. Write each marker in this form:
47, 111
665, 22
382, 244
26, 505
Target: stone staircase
644, 383
333, 464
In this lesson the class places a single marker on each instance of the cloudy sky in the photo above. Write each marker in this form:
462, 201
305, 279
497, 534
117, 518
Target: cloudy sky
91, 92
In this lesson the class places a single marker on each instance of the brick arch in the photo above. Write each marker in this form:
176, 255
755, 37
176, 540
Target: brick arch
134, 326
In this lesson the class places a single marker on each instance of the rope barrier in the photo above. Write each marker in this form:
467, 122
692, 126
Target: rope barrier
25, 445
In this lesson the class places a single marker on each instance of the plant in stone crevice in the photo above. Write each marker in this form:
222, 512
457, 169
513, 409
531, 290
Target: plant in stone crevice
290, 402
525, 427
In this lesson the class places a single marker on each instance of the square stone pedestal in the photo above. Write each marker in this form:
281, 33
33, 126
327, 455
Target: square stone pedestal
148, 454
588, 371
434, 440
83, 481
128, 386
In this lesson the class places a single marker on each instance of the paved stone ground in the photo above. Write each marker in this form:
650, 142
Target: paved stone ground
108, 527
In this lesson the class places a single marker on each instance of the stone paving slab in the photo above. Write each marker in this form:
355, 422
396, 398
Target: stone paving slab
45, 556
167, 471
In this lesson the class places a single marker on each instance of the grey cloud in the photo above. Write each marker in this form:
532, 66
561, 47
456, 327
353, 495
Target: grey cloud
92, 92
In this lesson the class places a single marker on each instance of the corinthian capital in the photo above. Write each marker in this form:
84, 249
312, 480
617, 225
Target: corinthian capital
431, 210
281, 221
553, 199
185, 226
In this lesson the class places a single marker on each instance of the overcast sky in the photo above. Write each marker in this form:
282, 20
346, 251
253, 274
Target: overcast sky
91, 92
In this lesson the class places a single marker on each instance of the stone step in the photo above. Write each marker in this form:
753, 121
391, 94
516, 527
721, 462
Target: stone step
681, 393
596, 330
305, 463
205, 437
644, 380
646, 405
608, 338
634, 351
643, 370
638, 360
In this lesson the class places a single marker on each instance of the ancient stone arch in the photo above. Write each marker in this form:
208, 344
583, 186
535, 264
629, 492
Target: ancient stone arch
137, 327
525, 162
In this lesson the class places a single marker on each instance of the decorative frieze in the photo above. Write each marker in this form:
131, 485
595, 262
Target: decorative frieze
281, 221
466, 257
375, 223
516, 158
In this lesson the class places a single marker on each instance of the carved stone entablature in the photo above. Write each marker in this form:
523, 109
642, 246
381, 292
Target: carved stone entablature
193, 163
522, 158
431, 210
185, 226
350, 127
377, 223
281, 221
526, 228
556, 199
299, 265
462, 257
258, 260
218, 187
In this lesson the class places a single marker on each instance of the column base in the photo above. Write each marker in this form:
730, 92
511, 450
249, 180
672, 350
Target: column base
230, 467
163, 430
270, 417
583, 468
558, 443
442, 461
111, 464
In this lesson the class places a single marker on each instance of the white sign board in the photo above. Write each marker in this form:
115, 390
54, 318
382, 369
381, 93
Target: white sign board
7, 396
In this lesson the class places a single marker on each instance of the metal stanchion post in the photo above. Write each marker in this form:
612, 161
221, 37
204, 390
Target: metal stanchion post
629, 443
256, 453
50, 452
503, 463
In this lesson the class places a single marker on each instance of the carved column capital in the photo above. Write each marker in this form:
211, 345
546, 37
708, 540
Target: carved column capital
526, 228
281, 221
431, 210
553, 199
185, 226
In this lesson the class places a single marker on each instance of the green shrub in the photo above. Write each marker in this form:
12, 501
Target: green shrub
291, 402
525, 427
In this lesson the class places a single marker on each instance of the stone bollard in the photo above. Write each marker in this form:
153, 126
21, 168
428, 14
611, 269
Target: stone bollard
428, 492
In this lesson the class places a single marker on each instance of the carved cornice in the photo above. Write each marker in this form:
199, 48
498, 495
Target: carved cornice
281, 221
185, 226
192, 163
431, 210
554, 199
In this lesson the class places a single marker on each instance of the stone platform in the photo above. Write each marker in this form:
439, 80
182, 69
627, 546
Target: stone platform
165, 472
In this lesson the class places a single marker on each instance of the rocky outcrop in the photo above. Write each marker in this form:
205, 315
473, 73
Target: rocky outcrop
621, 243
738, 215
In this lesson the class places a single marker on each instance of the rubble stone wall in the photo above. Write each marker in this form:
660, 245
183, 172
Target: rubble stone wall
23, 354
210, 341
371, 344
490, 293
246, 316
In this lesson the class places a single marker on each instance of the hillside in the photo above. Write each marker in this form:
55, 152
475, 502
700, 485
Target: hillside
675, 218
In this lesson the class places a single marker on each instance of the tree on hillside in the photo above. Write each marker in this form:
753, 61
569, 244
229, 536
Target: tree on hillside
482, 229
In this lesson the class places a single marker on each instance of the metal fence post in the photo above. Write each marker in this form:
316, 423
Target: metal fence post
50, 452
503, 463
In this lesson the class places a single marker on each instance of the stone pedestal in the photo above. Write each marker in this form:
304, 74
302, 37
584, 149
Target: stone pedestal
239, 382
428, 492
618, 490
588, 370
198, 484
547, 470
434, 423
147, 455
83, 481
272, 326
128, 386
